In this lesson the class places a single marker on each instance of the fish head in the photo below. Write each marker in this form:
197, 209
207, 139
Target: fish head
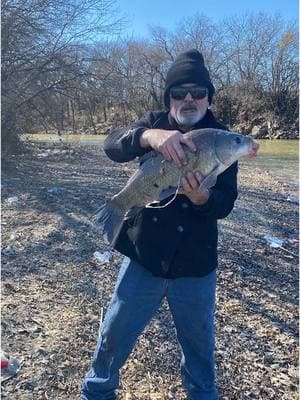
231, 146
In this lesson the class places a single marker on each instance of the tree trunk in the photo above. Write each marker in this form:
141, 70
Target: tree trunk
10, 141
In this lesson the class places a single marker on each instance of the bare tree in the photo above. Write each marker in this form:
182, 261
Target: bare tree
58, 74
258, 48
42, 53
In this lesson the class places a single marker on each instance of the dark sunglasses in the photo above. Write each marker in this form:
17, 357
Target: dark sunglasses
180, 92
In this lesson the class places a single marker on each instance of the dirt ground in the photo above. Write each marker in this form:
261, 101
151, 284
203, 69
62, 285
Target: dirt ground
54, 290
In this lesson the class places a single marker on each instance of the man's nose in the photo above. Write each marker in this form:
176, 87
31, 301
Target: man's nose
188, 97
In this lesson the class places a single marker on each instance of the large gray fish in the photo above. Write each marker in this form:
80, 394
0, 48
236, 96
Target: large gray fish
157, 178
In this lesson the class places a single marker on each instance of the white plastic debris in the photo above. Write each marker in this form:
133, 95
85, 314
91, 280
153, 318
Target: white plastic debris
8, 251
43, 155
49, 152
293, 199
13, 236
103, 258
13, 199
52, 190
277, 243
273, 241
57, 151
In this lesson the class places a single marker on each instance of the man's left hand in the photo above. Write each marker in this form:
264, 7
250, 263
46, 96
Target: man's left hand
190, 187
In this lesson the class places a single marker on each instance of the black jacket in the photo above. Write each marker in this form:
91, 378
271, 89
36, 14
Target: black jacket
179, 240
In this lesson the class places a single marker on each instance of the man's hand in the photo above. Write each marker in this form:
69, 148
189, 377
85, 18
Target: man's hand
190, 187
168, 143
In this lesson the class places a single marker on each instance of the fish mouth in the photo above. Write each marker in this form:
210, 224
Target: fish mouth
254, 146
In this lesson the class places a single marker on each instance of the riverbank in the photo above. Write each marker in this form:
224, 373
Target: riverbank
54, 290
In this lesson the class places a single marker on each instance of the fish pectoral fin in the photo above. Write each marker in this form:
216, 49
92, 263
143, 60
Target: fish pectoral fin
132, 212
152, 204
168, 192
210, 180
165, 194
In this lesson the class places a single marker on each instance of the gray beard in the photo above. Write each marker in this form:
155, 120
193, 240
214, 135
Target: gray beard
190, 119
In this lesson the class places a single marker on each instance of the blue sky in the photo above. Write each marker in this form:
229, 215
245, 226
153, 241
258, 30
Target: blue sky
167, 12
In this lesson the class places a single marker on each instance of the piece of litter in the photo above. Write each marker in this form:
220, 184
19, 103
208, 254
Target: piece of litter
273, 241
277, 243
293, 199
52, 190
43, 155
294, 242
8, 251
103, 258
13, 199
13, 236
9, 366
50, 152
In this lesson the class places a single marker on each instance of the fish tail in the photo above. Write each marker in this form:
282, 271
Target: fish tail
109, 219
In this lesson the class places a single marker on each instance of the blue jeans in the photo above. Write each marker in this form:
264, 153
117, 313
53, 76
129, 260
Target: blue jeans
138, 294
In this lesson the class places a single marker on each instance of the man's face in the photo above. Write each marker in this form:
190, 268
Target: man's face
189, 110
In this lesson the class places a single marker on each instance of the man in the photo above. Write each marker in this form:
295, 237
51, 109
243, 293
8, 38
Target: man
173, 250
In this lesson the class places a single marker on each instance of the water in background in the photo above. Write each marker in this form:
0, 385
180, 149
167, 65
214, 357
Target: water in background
279, 157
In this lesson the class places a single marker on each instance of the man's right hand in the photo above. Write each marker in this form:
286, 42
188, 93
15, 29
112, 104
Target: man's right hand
168, 143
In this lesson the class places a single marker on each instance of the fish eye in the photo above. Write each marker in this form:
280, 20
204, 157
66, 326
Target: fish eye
238, 140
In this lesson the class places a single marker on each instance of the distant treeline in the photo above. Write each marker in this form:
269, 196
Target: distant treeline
54, 79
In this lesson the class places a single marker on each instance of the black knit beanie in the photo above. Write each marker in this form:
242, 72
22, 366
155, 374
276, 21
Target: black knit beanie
188, 67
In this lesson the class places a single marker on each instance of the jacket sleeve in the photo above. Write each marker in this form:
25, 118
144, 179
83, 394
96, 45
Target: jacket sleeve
222, 197
123, 144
